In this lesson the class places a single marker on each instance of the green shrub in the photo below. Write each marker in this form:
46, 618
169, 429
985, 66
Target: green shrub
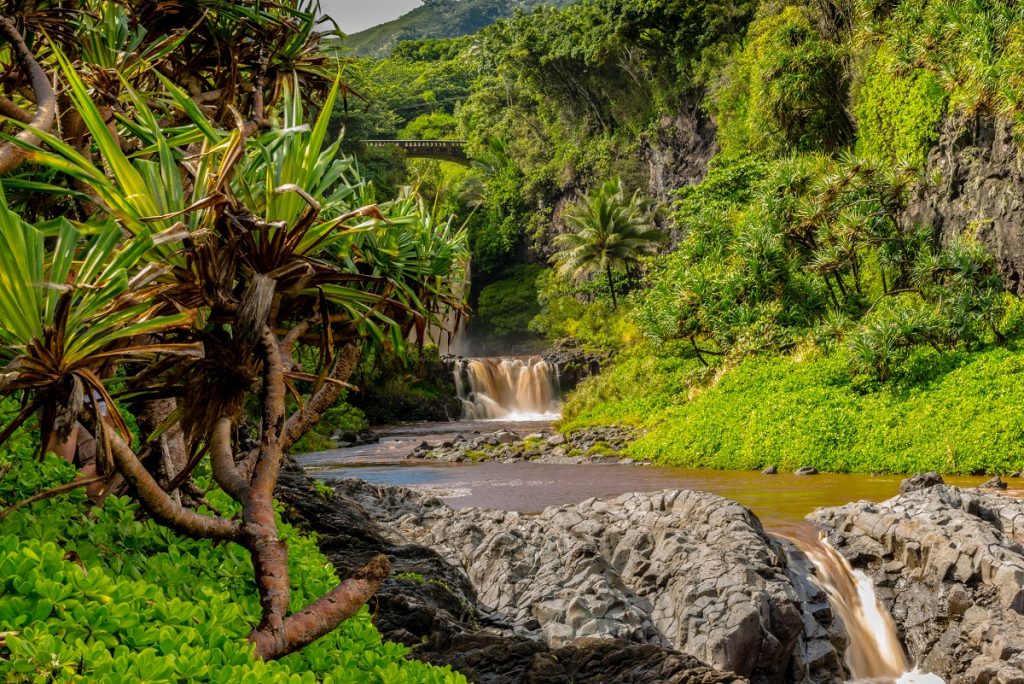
973, 48
106, 597
897, 111
583, 312
643, 381
956, 413
507, 305
341, 416
785, 89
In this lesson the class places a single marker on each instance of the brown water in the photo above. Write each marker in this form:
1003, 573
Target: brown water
780, 501
506, 387
874, 652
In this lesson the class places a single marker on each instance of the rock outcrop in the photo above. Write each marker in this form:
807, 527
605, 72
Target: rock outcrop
430, 605
980, 168
950, 565
678, 151
590, 445
573, 363
682, 570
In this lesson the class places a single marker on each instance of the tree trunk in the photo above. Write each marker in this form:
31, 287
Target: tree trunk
170, 445
11, 155
278, 632
611, 285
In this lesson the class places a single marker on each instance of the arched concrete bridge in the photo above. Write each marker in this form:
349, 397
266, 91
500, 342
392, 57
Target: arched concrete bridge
445, 150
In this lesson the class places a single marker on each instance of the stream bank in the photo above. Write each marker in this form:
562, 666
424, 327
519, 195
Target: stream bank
666, 586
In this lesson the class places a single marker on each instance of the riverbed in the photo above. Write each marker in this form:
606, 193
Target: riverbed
780, 501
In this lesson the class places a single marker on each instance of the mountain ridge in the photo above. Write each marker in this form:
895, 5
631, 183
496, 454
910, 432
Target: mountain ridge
439, 19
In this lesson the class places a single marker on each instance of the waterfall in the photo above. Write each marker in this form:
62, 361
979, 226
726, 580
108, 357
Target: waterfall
507, 387
874, 652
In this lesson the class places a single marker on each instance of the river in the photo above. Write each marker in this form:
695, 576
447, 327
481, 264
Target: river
520, 394
780, 501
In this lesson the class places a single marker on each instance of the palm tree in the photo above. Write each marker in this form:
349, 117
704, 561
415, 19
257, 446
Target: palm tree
608, 230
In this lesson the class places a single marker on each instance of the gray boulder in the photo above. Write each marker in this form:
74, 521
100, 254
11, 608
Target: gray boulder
950, 565
683, 570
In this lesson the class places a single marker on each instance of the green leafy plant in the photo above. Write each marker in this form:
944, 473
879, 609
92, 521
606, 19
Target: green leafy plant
607, 230
214, 253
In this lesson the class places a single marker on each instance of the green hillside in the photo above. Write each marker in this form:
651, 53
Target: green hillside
441, 19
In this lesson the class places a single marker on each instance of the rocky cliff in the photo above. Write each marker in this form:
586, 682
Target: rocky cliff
975, 184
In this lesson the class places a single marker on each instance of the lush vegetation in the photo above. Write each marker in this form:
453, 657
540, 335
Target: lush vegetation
103, 595
953, 413
796, 245
606, 231
192, 271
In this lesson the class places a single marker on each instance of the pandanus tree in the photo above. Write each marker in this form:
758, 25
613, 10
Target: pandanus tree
185, 254
607, 229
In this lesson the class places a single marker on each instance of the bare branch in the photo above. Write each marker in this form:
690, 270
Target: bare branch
46, 102
50, 493
223, 461
324, 614
288, 343
160, 504
309, 413
268, 463
13, 111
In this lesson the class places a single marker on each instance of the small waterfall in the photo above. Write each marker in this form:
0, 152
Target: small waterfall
874, 653
506, 387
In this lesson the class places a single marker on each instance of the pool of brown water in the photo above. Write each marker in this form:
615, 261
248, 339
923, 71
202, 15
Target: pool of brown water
780, 501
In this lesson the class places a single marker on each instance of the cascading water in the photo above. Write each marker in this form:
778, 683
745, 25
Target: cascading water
874, 653
507, 387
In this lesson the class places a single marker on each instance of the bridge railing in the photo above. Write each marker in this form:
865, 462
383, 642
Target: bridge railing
417, 143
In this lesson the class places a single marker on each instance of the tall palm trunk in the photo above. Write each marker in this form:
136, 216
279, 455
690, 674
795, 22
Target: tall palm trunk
611, 284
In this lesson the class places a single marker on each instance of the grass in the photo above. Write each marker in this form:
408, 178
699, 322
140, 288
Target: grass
957, 413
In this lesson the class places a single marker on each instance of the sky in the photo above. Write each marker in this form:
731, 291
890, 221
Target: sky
356, 15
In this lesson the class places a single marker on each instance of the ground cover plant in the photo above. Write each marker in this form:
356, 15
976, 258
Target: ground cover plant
102, 595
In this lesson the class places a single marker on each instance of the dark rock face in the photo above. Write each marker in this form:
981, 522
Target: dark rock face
679, 570
573, 364
995, 483
382, 408
981, 169
950, 564
488, 659
431, 606
348, 438
920, 481
678, 153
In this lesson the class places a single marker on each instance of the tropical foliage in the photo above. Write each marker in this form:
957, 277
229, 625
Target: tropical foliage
807, 410
205, 226
607, 230
106, 595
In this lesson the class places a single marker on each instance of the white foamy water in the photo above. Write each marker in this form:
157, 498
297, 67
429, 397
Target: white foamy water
874, 654
508, 388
